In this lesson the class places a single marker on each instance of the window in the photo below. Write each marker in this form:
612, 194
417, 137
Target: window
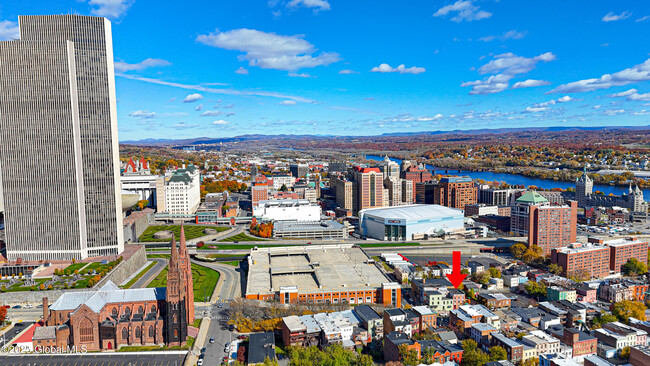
127, 311
85, 330
152, 331
138, 332
114, 312
175, 319
175, 333
125, 333
153, 308
140, 310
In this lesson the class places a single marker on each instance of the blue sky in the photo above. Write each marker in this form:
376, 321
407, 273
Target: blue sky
365, 67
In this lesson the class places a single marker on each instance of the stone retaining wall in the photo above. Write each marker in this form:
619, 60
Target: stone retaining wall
118, 275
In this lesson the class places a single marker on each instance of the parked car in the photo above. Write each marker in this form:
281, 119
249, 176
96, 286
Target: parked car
199, 362
211, 339
231, 328
242, 337
17, 307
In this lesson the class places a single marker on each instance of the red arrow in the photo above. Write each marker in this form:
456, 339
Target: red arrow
456, 278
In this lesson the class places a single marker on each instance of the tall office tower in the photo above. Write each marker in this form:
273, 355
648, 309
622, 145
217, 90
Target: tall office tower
407, 191
394, 188
369, 188
455, 192
58, 114
584, 189
299, 170
390, 169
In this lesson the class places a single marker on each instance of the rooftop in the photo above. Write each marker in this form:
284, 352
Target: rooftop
261, 346
411, 212
455, 179
307, 225
108, 294
314, 268
532, 197
366, 313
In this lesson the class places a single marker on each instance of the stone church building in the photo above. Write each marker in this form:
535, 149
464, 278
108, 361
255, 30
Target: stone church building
110, 317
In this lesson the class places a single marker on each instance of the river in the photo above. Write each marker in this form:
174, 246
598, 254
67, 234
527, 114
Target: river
514, 179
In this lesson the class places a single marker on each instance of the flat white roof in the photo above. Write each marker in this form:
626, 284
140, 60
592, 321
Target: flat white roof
412, 212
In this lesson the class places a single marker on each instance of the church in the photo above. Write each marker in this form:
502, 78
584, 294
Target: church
110, 317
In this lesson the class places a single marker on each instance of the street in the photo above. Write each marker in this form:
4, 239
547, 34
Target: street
161, 263
219, 330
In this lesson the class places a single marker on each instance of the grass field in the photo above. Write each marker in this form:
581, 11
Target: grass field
191, 232
205, 280
139, 275
241, 237
74, 267
232, 263
379, 245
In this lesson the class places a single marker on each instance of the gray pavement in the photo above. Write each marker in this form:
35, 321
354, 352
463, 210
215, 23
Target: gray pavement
161, 263
218, 329
103, 359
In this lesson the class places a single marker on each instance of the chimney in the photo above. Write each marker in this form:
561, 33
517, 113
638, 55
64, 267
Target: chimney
46, 310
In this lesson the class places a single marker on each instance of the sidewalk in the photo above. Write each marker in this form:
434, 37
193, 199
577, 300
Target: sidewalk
192, 355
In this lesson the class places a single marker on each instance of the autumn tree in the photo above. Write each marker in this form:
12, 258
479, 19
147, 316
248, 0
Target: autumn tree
625, 353
494, 272
634, 267
518, 250
498, 353
556, 269
624, 310
408, 356
535, 289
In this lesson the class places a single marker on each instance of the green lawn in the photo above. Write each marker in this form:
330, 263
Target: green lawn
241, 237
232, 263
139, 275
376, 245
166, 256
205, 280
74, 267
219, 255
191, 232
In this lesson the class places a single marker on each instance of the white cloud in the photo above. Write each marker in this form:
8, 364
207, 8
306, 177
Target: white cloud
9, 30
183, 126
511, 34
631, 75
241, 71
639, 97
203, 88
505, 67
466, 11
199, 107
348, 72
297, 75
623, 94
220, 122
383, 68
643, 19
429, 118
316, 4
535, 109
565, 99
140, 114
642, 112
611, 17
110, 8
597, 106
530, 83
210, 114
269, 50
287, 102
191, 98
613, 112
121, 66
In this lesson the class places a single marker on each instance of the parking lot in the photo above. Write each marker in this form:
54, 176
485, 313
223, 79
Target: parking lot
115, 359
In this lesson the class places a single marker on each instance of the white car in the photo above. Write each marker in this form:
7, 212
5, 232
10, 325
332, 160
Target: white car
199, 362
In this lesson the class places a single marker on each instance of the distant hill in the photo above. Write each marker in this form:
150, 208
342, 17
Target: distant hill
252, 137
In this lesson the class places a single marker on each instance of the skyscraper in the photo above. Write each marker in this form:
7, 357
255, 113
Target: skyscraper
369, 188
584, 188
58, 114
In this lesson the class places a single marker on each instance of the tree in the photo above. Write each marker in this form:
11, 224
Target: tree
627, 309
408, 356
284, 188
602, 318
475, 358
556, 269
498, 353
3, 314
625, 352
3, 288
518, 250
41, 287
464, 271
535, 289
494, 272
469, 345
482, 278
534, 361
634, 267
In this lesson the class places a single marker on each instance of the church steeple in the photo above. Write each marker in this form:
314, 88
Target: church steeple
186, 275
176, 313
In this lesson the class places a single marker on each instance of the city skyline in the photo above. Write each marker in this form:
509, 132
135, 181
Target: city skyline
316, 67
